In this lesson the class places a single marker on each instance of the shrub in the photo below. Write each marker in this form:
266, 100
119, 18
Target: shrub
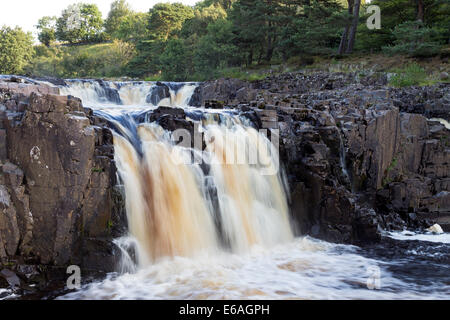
415, 40
411, 75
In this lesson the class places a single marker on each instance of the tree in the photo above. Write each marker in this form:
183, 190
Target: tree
256, 28
216, 50
354, 26
80, 23
420, 10
174, 62
165, 19
119, 11
202, 18
91, 23
314, 30
133, 27
397, 12
16, 49
414, 39
225, 4
349, 34
47, 30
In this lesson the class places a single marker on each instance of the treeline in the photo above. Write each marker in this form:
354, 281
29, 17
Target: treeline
178, 42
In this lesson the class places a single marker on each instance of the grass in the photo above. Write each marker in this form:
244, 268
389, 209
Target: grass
246, 75
154, 78
411, 75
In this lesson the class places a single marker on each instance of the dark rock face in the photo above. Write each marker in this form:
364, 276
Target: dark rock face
356, 162
57, 183
196, 98
158, 93
432, 101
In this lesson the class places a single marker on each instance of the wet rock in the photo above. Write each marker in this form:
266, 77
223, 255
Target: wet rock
213, 104
111, 94
27, 271
12, 279
157, 93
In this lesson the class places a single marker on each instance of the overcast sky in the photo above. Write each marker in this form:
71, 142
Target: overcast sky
26, 13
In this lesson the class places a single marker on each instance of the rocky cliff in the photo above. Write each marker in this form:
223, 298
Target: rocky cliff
57, 182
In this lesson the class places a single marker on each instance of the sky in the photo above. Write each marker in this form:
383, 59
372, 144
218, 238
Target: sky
26, 13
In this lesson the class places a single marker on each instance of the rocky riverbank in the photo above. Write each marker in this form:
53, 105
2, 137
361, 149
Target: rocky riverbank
57, 187
360, 157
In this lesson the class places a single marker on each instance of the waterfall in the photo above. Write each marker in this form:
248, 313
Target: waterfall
176, 208
222, 194
123, 95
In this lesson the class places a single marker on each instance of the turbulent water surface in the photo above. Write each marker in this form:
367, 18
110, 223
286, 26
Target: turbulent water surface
222, 231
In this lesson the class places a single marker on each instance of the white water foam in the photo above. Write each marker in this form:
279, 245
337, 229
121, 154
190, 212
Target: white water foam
303, 269
442, 121
430, 237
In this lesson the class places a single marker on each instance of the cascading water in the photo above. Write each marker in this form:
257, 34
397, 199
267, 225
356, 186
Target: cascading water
108, 94
169, 205
212, 221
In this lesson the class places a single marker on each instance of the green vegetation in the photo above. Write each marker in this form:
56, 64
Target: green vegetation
230, 38
411, 75
120, 10
414, 39
80, 23
16, 50
101, 60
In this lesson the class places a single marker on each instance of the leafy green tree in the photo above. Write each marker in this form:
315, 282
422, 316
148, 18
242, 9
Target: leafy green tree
174, 61
47, 30
146, 61
225, 4
165, 19
16, 49
119, 11
80, 23
203, 16
216, 49
133, 27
